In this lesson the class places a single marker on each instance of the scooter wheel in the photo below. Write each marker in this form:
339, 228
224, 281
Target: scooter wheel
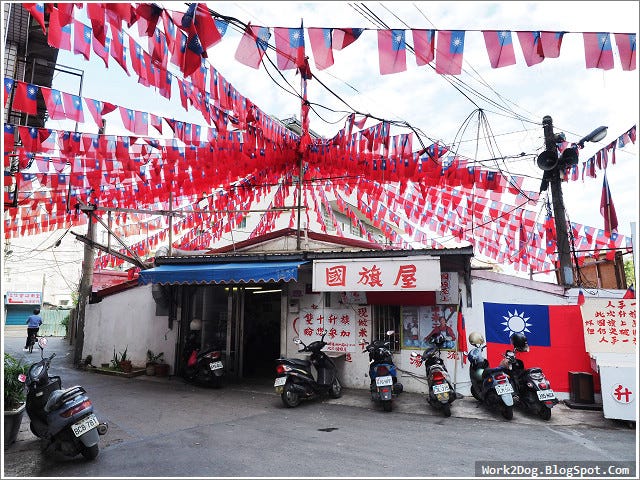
387, 406
475, 393
446, 409
335, 391
507, 412
544, 413
290, 397
90, 453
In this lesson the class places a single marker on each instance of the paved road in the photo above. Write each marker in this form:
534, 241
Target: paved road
167, 428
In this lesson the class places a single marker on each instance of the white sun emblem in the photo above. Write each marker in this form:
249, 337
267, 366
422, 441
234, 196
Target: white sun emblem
516, 323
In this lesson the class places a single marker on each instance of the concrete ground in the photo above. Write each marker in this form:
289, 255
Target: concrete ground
413, 403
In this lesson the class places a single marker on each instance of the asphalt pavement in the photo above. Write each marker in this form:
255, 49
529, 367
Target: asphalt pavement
23, 458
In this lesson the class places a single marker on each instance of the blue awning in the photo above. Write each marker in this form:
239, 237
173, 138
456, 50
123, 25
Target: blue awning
237, 272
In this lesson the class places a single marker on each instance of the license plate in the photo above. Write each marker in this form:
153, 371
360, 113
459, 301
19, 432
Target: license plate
502, 388
84, 425
384, 381
280, 381
441, 388
215, 365
546, 394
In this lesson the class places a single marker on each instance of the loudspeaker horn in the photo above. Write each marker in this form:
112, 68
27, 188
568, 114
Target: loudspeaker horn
547, 161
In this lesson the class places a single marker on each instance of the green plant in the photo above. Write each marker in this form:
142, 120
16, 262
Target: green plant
153, 358
14, 391
118, 358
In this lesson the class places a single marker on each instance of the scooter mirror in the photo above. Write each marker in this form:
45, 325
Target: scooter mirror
22, 378
42, 342
390, 332
297, 341
324, 331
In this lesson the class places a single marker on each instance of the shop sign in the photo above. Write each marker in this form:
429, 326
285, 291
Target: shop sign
609, 325
24, 298
377, 274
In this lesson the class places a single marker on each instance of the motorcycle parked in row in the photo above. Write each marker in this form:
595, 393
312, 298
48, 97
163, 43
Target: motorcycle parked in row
441, 391
382, 371
491, 386
533, 389
63, 417
205, 367
295, 380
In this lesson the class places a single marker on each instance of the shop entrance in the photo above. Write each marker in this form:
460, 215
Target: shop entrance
242, 321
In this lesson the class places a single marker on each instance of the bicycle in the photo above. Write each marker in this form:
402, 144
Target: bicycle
33, 338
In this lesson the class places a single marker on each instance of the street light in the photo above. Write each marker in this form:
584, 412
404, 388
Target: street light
552, 165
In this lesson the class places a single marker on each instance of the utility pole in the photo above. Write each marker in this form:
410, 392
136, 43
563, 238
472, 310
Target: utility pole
86, 283
562, 239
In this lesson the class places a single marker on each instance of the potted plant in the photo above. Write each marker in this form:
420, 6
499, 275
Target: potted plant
120, 361
14, 397
152, 360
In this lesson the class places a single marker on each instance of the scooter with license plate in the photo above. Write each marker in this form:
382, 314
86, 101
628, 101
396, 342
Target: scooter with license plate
205, 367
491, 386
382, 371
533, 389
63, 417
294, 377
441, 391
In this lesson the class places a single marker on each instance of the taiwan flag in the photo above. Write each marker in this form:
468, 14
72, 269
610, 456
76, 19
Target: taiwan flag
82, 39
73, 107
597, 50
8, 86
423, 46
25, 98
58, 37
627, 49
53, 101
37, 12
392, 51
531, 47
289, 47
500, 48
321, 46
343, 37
449, 52
252, 46
554, 333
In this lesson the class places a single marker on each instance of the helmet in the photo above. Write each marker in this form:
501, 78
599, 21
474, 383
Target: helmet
519, 342
196, 324
476, 338
438, 340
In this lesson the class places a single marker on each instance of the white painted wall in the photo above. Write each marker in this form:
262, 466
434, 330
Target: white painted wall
128, 320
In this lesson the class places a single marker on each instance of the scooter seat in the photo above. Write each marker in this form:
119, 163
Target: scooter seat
490, 371
61, 396
299, 362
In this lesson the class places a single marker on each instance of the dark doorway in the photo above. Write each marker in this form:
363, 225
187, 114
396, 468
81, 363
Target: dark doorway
261, 331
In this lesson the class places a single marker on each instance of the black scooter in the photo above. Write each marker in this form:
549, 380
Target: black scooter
441, 391
533, 390
382, 372
205, 367
63, 417
491, 386
295, 381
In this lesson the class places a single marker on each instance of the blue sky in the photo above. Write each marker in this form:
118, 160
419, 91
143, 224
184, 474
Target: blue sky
578, 99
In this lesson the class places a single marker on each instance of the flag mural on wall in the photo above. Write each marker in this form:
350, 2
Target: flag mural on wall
554, 333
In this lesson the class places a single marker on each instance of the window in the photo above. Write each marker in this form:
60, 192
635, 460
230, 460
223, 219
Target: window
385, 318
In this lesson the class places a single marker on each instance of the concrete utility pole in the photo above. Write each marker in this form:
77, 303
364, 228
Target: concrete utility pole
86, 283
559, 214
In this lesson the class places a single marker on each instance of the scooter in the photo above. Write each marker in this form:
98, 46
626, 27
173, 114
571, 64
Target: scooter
491, 386
441, 391
382, 371
63, 417
205, 367
533, 389
294, 378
